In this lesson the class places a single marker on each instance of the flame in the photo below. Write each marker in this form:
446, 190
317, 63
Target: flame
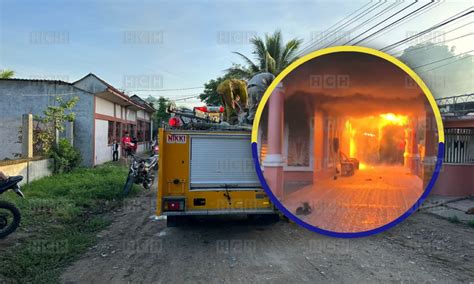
352, 145
394, 119
362, 126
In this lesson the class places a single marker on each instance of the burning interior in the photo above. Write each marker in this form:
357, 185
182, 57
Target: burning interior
349, 158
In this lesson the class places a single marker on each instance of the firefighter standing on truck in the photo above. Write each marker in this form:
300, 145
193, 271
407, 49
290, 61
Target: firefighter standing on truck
233, 93
256, 88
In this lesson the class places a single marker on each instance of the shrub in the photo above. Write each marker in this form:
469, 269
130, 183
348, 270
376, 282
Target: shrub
65, 156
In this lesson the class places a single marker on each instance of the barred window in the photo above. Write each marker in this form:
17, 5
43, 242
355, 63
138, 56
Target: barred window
459, 145
110, 134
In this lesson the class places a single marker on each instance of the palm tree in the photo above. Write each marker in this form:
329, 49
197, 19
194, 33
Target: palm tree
6, 74
271, 55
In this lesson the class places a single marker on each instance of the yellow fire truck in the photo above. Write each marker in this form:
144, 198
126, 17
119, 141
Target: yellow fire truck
207, 172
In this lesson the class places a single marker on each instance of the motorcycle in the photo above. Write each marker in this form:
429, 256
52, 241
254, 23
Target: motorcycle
142, 171
9, 214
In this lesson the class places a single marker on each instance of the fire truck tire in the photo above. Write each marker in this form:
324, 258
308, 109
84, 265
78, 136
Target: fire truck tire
176, 221
264, 219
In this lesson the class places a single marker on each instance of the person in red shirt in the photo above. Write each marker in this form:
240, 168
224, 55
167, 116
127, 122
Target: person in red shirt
127, 145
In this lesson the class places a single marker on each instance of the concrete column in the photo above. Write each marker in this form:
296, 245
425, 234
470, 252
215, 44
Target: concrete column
431, 147
27, 136
411, 155
273, 163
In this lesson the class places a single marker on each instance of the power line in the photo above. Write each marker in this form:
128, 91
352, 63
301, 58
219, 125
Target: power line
434, 62
396, 13
167, 90
409, 18
424, 48
443, 23
395, 22
374, 17
348, 22
437, 67
450, 31
343, 19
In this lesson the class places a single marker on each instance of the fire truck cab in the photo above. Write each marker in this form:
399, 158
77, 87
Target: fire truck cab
207, 172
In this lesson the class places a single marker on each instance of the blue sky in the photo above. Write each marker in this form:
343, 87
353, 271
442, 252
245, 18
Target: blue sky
89, 36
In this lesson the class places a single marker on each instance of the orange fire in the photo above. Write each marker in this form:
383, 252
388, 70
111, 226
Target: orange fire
371, 127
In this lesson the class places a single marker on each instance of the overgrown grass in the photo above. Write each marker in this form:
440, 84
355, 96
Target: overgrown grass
454, 219
471, 223
61, 216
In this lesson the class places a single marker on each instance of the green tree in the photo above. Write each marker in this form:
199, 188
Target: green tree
445, 72
271, 55
161, 104
209, 94
6, 74
53, 120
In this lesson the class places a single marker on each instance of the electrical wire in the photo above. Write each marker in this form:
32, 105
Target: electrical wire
350, 21
343, 19
437, 67
424, 48
395, 22
440, 60
373, 18
443, 23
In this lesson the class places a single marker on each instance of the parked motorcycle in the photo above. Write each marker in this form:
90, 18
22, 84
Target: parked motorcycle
142, 171
9, 214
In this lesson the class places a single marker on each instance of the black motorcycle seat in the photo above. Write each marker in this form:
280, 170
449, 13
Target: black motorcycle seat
11, 181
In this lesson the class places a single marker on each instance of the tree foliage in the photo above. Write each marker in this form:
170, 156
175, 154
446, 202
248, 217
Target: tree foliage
445, 72
53, 121
271, 55
160, 104
6, 74
209, 94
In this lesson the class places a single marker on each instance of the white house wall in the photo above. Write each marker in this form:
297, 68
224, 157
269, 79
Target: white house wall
103, 152
104, 107
141, 114
131, 115
118, 111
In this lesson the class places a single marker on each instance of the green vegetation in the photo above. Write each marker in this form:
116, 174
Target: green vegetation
61, 216
454, 219
160, 104
271, 55
471, 223
66, 158
53, 121
6, 74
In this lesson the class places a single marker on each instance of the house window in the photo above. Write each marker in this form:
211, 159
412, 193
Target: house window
298, 143
111, 134
140, 133
147, 131
132, 130
459, 146
118, 131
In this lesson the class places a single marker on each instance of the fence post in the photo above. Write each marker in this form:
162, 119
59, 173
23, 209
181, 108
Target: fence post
27, 136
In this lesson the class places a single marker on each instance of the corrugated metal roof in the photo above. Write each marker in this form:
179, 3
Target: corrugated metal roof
36, 80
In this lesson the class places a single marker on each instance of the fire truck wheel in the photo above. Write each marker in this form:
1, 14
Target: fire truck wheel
176, 221
264, 219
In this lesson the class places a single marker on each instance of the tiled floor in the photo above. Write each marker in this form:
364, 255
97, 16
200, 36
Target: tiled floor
371, 198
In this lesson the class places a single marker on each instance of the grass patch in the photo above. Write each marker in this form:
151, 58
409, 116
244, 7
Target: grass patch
61, 216
471, 223
454, 219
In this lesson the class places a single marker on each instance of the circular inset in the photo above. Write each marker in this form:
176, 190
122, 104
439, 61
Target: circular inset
347, 141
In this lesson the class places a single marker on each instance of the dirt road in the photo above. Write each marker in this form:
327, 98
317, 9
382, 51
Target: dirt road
138, 249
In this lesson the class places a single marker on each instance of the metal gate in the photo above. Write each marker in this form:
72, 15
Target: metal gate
459, 146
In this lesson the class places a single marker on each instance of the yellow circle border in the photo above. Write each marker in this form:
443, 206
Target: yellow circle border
360, 49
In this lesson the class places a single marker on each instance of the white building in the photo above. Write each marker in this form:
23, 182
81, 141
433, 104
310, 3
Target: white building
114, 114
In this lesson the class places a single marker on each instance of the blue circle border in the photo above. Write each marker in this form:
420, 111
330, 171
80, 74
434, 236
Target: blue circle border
385, 227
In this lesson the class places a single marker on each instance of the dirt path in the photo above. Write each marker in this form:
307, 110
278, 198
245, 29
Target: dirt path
138, 249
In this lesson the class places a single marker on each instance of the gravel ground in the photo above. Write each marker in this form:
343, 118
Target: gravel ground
137, 248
